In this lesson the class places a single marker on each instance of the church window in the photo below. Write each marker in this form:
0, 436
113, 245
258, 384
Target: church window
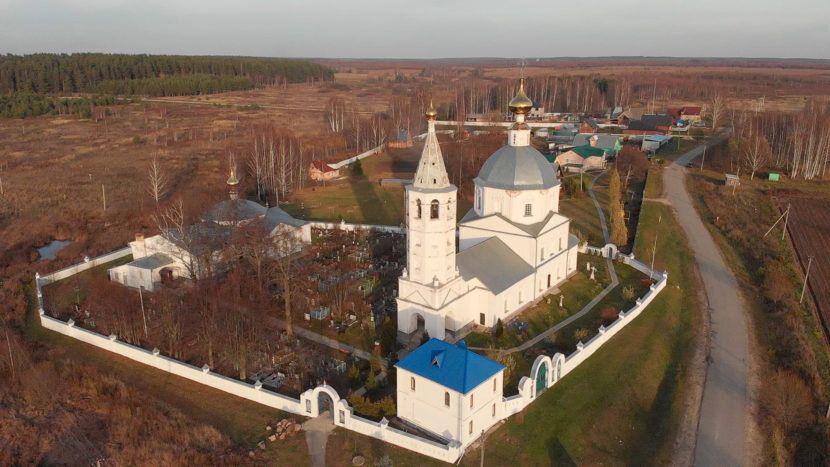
494, 410
418, 210
560, 243
471, 427
412, 383
528, 210
472, 400
494, 384
478, 199
446, 398
520, 297
433, 209
542, 254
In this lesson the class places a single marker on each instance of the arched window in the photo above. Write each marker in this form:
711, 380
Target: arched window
418, 209
472, 398
412, 383
494, 384
494, 410
433, 209
446, 398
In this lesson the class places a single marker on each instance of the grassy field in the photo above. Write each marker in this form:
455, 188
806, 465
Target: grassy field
361, 198
583, 213
624, 404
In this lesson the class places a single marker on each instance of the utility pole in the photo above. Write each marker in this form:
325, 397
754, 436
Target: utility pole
806, 278
653, 254
11, 359
143, 316
482, 448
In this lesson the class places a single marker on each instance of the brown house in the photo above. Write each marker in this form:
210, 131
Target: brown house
320, 171
651, 124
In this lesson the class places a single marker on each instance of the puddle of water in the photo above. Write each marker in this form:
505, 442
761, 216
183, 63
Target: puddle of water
52, 248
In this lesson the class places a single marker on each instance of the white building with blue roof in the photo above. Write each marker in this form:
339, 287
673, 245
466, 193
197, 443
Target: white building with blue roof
513, 245
450, 391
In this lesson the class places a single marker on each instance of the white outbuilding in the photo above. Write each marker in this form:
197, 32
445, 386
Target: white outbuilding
449, 390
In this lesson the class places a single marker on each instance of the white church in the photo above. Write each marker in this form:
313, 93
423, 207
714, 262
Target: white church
181, 253
513, 245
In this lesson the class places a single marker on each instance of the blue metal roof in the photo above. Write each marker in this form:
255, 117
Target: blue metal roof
449, 365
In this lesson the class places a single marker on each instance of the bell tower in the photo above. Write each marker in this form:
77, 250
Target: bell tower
431, 216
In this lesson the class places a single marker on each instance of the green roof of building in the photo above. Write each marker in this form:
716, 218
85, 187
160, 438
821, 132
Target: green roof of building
588, 151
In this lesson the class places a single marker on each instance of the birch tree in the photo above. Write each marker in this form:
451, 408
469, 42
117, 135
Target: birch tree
157, 181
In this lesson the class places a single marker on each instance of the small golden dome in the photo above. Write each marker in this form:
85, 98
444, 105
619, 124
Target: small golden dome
520, 104
431, 113
232, 180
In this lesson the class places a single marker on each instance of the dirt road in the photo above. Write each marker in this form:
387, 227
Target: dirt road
724, 414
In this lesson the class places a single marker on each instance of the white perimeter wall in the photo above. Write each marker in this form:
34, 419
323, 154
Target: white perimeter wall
557, 367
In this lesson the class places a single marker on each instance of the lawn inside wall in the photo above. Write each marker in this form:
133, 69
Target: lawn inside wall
241, 420
578, 291
624, 404
799, 346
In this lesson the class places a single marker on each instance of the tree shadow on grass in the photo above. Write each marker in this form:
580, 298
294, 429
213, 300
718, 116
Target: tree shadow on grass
558, 454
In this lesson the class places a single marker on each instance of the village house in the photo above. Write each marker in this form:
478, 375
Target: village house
589, 126
629, 115
650, 124
690, 114
609, 143
582, 158
320, 171
450, 391
400, 139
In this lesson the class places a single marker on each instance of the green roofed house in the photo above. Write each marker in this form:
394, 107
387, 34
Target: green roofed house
582, 158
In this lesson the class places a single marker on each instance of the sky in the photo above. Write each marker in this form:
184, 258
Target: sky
420, 29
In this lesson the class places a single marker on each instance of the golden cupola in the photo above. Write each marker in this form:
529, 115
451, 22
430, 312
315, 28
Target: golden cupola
520, 104
431, 113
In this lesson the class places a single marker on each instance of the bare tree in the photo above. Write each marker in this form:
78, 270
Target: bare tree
284, 270
157, 181
717, 108
336, 114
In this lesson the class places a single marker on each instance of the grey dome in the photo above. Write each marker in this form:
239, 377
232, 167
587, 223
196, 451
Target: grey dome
517, 168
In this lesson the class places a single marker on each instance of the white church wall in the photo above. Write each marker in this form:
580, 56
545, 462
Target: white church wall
306, 406
80, 267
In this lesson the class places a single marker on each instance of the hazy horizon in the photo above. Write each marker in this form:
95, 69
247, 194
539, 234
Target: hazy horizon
426, 30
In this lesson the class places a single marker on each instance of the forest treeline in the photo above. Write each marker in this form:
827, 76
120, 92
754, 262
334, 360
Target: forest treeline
22, 105
155, 74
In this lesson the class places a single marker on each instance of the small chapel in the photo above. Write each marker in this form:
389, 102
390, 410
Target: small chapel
510, 249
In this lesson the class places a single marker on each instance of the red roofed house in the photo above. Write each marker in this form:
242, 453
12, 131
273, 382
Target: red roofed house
321, 172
